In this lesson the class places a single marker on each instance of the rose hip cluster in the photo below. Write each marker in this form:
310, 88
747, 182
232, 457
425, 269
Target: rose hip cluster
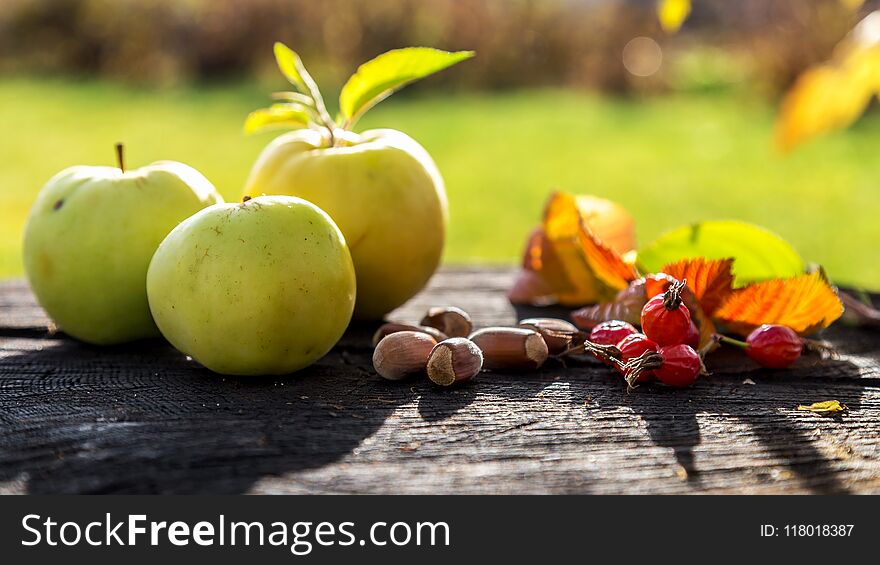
665, 349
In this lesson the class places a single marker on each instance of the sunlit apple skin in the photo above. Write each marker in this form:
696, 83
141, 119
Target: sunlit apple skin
262, 287
89, 239
385, 193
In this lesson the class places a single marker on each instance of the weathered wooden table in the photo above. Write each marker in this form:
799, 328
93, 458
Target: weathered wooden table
142, 419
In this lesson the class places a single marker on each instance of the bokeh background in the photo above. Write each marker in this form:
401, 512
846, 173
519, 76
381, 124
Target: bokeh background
676, 127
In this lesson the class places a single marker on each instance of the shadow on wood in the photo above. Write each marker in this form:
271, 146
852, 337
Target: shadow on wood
141, 419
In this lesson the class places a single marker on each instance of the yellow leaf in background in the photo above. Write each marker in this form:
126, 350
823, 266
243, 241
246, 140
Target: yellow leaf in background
826, 407
805, 304
673, 13
833, 95
852, 4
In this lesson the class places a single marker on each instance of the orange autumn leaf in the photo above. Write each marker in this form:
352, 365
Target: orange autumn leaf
608, 221
595, 270
805, 304
710, 281
542, 276
566, 262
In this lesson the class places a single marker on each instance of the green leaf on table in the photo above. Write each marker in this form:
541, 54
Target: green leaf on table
292, 116
759, 253
378, 78
292, 67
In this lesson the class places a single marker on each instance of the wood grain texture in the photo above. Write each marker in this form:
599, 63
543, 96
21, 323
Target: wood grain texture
143, 419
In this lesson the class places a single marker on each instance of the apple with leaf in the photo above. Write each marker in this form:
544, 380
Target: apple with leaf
380, 186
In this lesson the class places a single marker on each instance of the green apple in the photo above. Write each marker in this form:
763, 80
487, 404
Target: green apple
263, 287
89, 239
380, 186
386, 195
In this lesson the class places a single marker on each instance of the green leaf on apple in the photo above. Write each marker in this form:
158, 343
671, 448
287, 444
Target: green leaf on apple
760, 254
289, 115
292, 67
378, 78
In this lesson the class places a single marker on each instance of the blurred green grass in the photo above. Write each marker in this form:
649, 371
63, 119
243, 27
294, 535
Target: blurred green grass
670, 160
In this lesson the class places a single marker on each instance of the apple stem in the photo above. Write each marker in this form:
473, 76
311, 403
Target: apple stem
120, 156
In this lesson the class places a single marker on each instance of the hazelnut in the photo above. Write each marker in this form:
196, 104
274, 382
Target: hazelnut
454, 360
450, 320
391, 327
559, 335
401, 354
511, 348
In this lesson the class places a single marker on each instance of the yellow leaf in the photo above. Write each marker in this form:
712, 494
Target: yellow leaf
852, 4
833, 95
288, 115
805, 304
673, 13
826, 407
567, 263
596, 271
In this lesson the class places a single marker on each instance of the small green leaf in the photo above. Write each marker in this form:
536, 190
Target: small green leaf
293, 116
759, 253
292, 67
378, 78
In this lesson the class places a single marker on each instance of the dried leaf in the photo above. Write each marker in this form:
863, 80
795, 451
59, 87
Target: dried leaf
609, 221
833, 95
859, 312
710, 281
573, 265
805, 304
626, 306
542, 276
826, 407
580, 250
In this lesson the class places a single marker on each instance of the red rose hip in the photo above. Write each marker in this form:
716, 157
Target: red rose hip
774, 346
612, 332
665, 318
633, 346
693, 337
681, 365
